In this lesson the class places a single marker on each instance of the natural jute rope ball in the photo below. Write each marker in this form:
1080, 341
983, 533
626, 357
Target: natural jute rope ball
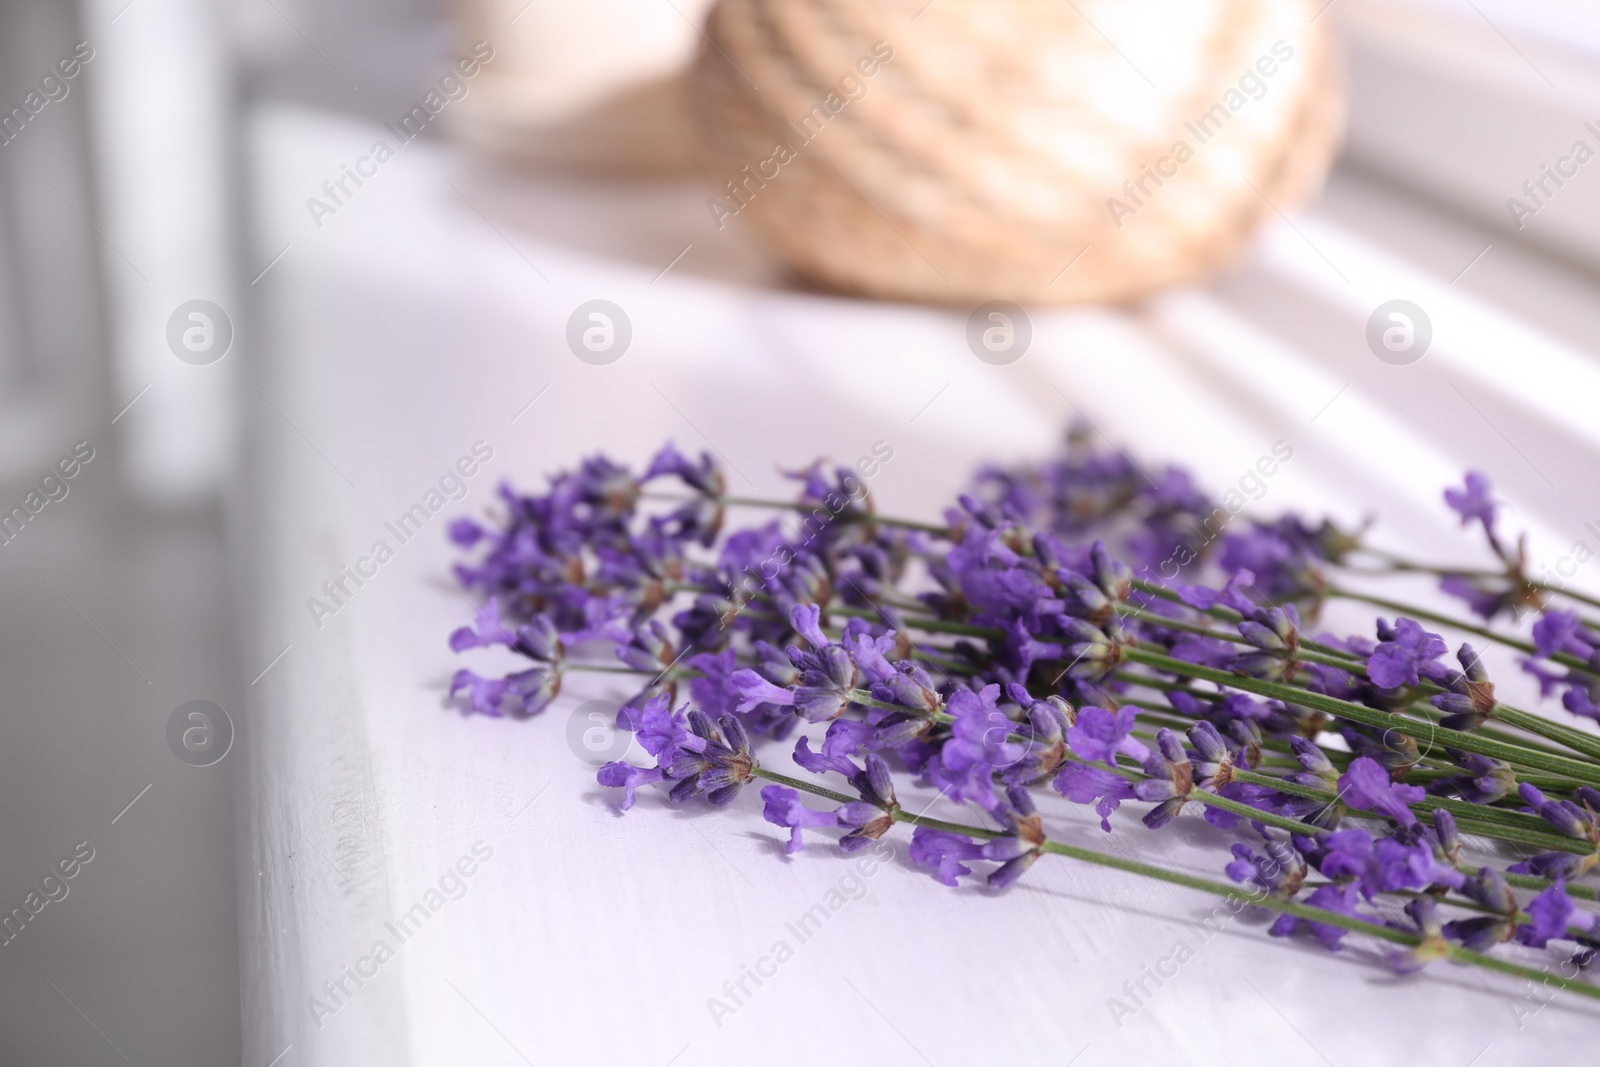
1044, 151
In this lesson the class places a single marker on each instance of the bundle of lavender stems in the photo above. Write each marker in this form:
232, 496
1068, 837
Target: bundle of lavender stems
1092, 628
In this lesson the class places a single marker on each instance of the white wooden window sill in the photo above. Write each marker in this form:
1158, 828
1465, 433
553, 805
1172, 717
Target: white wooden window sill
429, 312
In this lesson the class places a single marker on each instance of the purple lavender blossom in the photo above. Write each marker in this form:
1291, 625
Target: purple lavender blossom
979, 746
1279, 876
1002, 677
1406, 651
1481, 933
629, 778
1565, 816
1482, 781
693, 754
1481, 600
872, 816
1470, 700
1099, 735
1023, 844
1168, 782
1554, 916
523, 692
1424, 915
1366, 787
1229, 596
947, 853
1561, 631
466, 533
1083, 784
1472, 501
783, 808
1341, 900
844, 739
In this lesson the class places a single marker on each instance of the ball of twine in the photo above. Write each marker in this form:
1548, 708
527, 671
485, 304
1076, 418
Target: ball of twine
1033, 150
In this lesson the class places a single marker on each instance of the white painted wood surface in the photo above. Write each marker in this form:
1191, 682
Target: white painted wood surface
425, 316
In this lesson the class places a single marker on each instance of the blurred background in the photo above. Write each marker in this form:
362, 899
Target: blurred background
136, 185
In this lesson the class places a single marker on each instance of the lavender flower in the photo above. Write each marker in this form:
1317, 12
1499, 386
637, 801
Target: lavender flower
1554, 916
1366, 787
947, 853
693, 755
1470, 701
1339, 900
1169, 781
1010, 647
1083, 784
783, 808
979, 746
1489, 890
1099, 735
1473, 502
1424, 915
1406, 655
1562, 631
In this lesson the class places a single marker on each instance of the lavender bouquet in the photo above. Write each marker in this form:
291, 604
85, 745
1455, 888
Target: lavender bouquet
1089, 627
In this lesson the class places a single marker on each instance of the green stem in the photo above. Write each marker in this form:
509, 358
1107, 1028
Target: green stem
1454, 902
1340, 758
1458, 739
1411, 611
1225, 614
938, 626
606, 668
1576, 740
1478, 819
1501, 825
1214, 888
779, 505
1399, 563
1342, 661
